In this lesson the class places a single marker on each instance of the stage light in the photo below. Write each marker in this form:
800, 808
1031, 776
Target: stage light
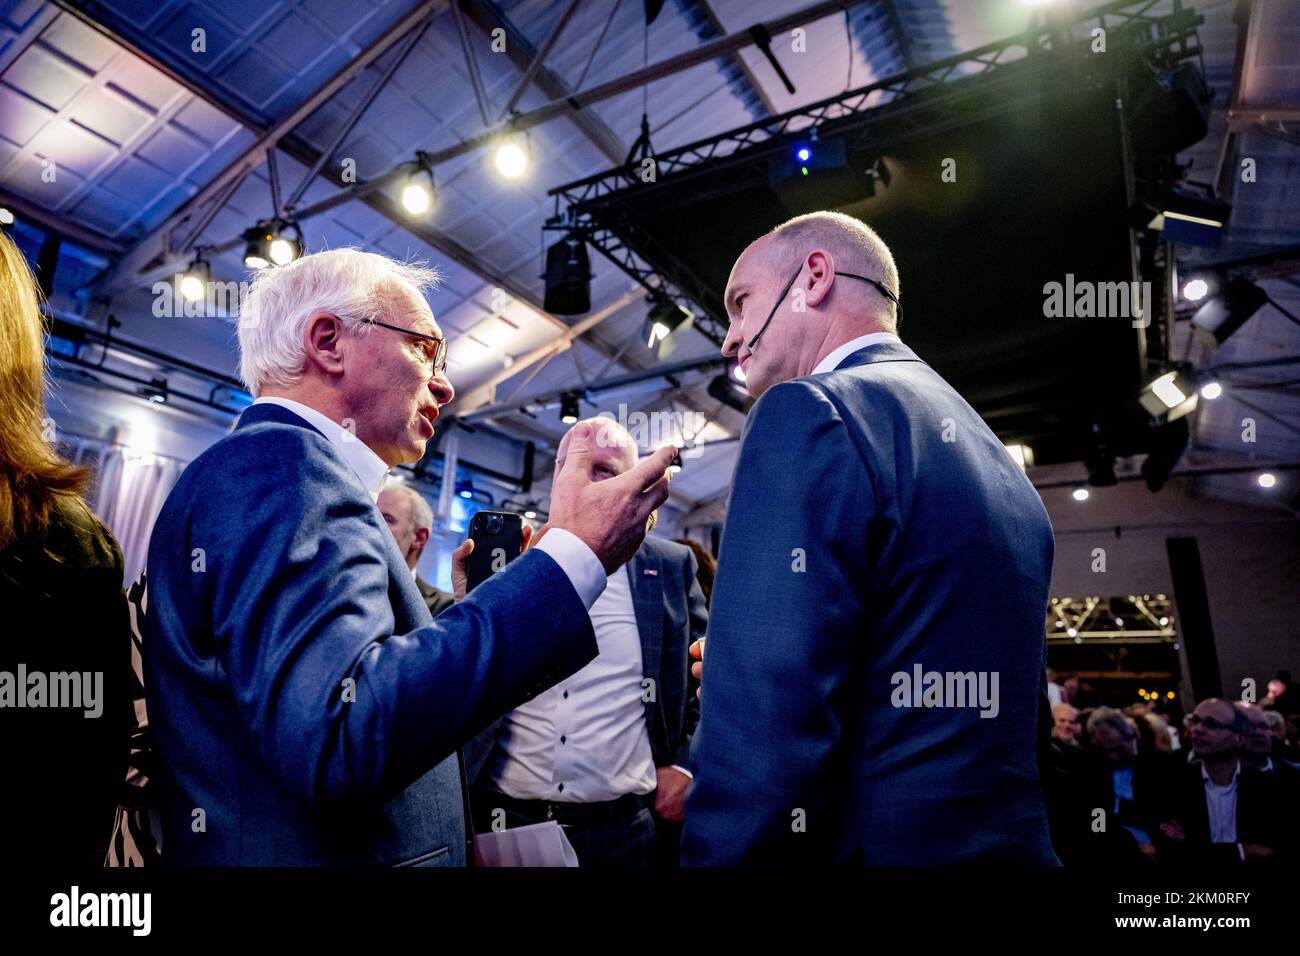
1071, 632
1168, 397
194, 284
6, 217
1211, 390
530, 515
568, 277
569, 408
730, 392
675, 465
1195, 290
1170, 695
1164, 622
417, 188
665, 318
511, 159
1023, 455
270, 242
738, 373
1267, 480
1080, 494
155, 391
1223, 314
803, 154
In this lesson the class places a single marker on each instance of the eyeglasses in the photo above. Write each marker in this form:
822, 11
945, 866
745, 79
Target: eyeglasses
1209, 723
438, 356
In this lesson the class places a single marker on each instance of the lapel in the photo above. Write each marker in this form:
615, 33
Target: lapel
646, 572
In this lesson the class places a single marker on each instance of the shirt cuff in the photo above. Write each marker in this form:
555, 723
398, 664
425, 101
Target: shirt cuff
578, 562
684, 772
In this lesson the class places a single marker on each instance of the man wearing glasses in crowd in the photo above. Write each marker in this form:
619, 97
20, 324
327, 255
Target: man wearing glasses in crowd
306, 707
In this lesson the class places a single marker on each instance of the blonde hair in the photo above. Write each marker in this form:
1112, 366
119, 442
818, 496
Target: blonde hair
31, 473
855, 244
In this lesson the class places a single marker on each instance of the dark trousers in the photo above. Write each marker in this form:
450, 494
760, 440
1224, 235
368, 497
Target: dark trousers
628, 841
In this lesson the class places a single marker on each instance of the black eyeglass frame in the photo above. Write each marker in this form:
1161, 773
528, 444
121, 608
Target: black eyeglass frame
439, 357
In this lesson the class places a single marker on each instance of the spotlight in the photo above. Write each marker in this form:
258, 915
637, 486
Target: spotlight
665, 318
1168, 397
738, 373
1195, 290
1188, 218
6, 217
1080, 494
1267, 480
803, 154
675, 465
1222, 315
530, 515
568, 277
569, 408
417, 188
270, 242
1211, 390
155, 391
511, 159
194, 284
1022, 454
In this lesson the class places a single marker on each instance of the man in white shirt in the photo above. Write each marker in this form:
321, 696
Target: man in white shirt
605, 751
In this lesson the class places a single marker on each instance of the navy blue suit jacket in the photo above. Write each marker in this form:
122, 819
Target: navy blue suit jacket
875, 524
307, 709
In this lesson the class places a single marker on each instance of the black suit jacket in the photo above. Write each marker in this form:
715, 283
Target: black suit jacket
670, 614
1263, 818
437, 599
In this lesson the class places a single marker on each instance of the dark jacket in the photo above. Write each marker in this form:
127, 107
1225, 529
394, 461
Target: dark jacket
876, 526
66, 614
437, 599
1265, 817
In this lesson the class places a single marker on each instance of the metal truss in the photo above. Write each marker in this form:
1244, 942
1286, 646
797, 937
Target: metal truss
944, 94
1091, 620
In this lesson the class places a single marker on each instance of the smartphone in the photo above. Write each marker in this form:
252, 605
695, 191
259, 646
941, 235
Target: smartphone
498, 539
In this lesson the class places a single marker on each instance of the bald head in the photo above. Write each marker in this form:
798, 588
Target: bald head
795, 290
615, 451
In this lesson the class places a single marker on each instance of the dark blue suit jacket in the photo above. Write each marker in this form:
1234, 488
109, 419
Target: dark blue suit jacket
307, 709
670, 614
875, 524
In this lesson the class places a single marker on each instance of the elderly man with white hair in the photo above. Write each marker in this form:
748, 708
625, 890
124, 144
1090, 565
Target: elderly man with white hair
307, 709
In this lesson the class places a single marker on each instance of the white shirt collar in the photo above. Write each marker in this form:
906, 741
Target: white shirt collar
1230, 785
370, 468
832, 361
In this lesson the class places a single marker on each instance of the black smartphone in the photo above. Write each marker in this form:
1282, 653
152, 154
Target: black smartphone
498, 539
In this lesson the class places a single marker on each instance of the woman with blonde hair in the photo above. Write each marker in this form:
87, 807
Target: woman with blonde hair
65, 666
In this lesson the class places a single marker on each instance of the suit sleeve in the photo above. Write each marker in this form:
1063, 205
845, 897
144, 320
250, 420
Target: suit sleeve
341, 706
699, 622
784, 629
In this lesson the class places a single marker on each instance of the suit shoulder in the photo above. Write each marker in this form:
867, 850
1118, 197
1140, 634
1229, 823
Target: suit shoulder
668, 550
271, 448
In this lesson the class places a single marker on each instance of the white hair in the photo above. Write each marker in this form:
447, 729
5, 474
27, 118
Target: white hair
356, 286
420, 512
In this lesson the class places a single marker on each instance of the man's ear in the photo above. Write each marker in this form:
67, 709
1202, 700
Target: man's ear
821, 274
421, 538
321, 340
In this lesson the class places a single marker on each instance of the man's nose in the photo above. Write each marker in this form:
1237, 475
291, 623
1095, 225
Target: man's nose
731, 344
442, 389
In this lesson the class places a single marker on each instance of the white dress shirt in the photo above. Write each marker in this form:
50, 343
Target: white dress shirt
578, 562
1221, 806
585, 739
831, 362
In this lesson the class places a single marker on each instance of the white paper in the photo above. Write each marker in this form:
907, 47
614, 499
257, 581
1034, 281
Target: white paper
539, 844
